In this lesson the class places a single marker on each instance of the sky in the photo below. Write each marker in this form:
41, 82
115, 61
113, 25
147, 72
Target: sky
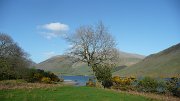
138, 26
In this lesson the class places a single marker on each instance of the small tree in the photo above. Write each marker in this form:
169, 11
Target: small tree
103, 74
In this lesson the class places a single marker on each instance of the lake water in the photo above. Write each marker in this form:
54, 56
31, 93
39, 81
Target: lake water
79, 80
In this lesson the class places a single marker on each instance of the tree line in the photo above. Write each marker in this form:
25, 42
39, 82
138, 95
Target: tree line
15, 63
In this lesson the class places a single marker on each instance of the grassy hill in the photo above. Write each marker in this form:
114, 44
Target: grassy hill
66, 65
163, 64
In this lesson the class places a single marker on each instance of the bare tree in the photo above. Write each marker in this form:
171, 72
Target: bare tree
92, 45
8, 48
11, 52
13, 60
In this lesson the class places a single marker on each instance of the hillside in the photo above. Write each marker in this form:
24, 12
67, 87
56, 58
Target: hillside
66, 65
163, 64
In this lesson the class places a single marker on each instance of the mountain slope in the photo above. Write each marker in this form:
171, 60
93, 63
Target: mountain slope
65, 64
163, 64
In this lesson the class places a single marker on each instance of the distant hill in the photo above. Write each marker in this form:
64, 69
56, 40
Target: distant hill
66, 65
163, 64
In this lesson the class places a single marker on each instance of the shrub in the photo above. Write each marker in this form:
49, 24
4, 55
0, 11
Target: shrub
33, 76
46, 80
123, 83
147, 84
36, 75
90, 83
176, 92
107, 83
116, 79
54, 77
103, 74
173, 85
162, 87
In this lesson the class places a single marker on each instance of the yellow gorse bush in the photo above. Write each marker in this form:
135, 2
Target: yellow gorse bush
123, 81
46, 80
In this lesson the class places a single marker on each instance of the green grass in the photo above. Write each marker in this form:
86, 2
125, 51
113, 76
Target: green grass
67, 93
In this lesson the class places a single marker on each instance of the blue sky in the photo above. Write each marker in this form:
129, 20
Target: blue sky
139, 26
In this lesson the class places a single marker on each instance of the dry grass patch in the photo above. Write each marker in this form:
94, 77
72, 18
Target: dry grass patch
161, 97
21, 84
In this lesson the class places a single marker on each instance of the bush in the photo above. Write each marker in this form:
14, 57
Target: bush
176, 92
123, 83
173, 85
107, 83
54, 77
6, 72
147, 84
103, 74
46, 80
162, 87
90, 83
29, 77
116, 79
36, 75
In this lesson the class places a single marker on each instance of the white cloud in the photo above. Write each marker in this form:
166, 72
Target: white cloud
56, 26
53, 30
50, 35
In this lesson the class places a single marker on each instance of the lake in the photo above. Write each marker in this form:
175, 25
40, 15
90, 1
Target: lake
79, 80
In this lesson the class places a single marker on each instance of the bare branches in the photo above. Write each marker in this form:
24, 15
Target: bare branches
92, 44
11, 52
9, 48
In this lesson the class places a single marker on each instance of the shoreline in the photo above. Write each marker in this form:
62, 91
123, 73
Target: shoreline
70, 82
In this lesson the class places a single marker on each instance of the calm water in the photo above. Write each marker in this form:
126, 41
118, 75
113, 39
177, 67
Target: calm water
80, 80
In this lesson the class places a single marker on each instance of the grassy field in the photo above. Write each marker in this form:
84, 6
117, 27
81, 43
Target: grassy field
67, 93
